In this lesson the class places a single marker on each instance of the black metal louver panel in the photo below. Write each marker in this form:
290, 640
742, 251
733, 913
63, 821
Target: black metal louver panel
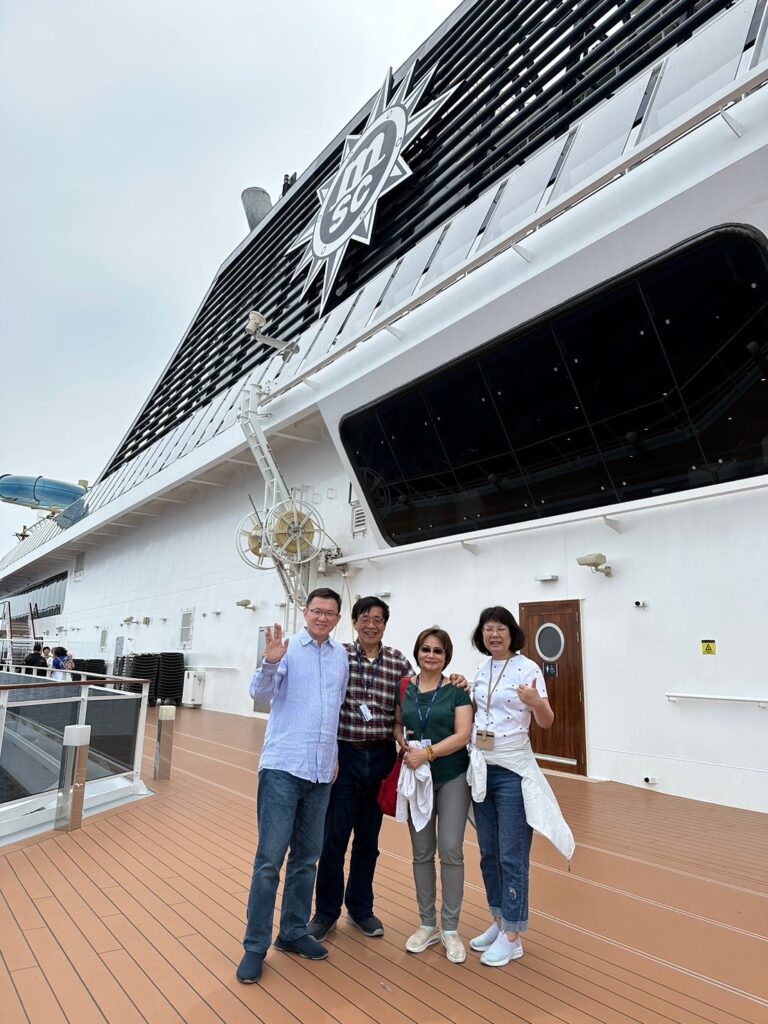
525, 70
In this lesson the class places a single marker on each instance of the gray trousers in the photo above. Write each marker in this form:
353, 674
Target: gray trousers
444, 834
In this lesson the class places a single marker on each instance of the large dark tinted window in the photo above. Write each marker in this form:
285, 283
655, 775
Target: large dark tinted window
656, 384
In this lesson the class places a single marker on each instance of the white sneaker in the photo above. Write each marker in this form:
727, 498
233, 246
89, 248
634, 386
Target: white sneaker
454, 947
502, 951
482, 942
422, 938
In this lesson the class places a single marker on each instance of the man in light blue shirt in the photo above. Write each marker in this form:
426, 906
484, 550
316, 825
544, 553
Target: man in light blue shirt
306, 681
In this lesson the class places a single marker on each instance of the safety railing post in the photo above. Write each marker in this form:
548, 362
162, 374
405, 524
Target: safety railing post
72, 778
166, 718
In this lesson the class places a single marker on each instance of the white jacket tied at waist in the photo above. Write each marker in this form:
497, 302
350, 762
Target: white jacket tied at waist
542, 811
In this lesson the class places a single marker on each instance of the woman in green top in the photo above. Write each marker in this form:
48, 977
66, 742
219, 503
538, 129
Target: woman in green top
439, 717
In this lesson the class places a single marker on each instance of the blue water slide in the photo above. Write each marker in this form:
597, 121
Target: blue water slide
38, 492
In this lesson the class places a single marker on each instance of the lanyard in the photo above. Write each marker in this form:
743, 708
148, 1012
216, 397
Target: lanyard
492, 686
423, 719
376, 666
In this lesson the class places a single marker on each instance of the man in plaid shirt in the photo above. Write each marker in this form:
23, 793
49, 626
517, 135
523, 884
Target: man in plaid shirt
366, 755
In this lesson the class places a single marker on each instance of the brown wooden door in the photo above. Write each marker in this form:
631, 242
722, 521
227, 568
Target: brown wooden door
557, 651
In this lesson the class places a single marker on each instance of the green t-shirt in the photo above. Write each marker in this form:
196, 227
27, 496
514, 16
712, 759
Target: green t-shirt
439, 725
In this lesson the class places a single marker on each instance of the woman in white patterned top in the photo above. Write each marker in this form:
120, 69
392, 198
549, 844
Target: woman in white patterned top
508, 690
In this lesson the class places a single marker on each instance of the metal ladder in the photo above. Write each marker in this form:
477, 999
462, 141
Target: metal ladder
275, 490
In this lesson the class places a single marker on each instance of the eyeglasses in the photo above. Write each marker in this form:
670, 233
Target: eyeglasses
371, 620
319, 614
431, 650
495, 629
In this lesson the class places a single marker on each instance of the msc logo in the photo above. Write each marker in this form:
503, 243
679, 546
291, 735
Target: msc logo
371, 166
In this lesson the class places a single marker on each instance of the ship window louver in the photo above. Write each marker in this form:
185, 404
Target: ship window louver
652, 385
525, 74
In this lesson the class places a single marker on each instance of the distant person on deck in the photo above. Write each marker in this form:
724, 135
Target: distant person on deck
62, 665
48, 655
35, 660
367, 753
306, 680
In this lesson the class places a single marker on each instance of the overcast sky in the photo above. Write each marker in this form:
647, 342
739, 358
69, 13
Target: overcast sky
129, 129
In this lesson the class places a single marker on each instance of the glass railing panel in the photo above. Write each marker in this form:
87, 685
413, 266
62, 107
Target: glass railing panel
114, 719
407, 275
459, 239
700, 67
361, 314
327, 335
523, 193
601, 137
31, 747
285, 368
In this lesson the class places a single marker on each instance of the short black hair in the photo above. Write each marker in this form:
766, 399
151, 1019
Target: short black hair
46, 648
36, 648
60, 652
441, 635
364, 604
326, 594
498, 613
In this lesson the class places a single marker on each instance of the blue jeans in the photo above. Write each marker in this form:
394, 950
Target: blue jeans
291, 812
352, 806
504, 837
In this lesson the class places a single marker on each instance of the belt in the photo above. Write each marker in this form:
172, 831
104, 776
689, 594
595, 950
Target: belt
368, 744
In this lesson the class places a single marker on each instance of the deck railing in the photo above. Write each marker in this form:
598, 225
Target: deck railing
34, 712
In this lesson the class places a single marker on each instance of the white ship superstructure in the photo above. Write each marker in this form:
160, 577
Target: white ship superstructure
535, 348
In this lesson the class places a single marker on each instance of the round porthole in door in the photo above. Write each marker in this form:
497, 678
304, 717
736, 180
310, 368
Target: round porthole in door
549, 642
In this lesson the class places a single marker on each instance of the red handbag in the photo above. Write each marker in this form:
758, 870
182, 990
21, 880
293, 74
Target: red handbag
387, 796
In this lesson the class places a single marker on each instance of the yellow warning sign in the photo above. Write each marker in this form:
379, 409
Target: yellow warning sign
709, 646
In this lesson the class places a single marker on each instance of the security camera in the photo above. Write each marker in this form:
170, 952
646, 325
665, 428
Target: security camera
244, 603
596, 562
593, 561
641, 604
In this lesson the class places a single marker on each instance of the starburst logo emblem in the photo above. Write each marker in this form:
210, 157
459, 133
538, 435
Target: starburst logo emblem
371, 166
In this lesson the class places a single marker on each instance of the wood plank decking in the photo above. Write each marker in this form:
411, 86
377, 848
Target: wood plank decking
137, 918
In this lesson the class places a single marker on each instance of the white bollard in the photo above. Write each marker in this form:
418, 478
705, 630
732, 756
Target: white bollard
72, 778
166, 717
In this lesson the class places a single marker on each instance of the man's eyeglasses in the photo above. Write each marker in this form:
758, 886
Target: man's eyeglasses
371, 620
431, 650
320, 614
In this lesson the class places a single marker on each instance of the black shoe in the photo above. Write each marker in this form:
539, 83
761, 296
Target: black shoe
304, 946
321, 927
250, 967
370, 926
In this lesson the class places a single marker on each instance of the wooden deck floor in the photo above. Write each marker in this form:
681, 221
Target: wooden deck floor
138, 917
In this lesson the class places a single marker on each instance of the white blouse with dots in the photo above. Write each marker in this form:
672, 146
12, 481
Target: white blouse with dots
509, 718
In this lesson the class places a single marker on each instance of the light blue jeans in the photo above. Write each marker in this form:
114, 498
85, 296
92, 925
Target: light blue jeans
291, 814
504, 837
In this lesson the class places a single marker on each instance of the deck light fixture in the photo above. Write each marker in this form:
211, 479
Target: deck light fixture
256, 321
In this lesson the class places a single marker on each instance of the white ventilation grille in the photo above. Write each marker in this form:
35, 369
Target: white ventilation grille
79, 565
359, 523
185, 633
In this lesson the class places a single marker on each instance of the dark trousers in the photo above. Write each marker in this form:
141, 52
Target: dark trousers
291, 812
352, 807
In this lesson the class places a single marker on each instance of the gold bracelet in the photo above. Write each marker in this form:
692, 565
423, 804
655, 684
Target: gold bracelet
431, 755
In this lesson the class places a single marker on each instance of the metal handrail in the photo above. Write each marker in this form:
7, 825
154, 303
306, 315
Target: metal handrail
22, 670
762, 702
